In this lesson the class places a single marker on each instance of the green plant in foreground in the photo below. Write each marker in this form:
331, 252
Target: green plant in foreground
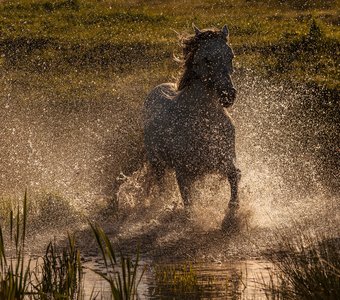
121, 273
61, 273
58, 277
308, 268
15, 273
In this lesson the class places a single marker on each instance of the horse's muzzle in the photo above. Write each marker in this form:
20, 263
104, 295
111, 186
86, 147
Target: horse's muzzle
228, 98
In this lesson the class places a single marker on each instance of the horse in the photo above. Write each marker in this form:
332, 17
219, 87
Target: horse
186, 125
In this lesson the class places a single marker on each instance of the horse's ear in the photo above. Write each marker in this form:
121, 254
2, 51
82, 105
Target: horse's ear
225, 32
197, 31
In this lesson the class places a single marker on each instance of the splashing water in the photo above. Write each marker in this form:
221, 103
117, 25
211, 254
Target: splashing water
77, 148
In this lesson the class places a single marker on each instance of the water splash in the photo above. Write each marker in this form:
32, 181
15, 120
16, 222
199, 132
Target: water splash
77, 149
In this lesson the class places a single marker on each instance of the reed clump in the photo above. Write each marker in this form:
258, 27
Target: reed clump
184, 281
59, 274
121, 273
15, 271
308, 267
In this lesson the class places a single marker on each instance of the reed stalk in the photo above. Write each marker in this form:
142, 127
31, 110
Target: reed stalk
15, 270
60, 275
307, 268
121, 273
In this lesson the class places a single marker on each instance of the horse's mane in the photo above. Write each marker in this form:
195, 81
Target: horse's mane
190, 45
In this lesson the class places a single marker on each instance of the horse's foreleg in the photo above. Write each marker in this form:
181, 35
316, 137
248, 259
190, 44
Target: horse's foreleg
184, 184
160, 173
234, 175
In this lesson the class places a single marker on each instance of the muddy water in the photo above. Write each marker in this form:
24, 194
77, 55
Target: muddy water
69, 153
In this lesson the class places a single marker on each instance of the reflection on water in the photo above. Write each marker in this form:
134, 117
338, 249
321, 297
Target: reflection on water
227, 280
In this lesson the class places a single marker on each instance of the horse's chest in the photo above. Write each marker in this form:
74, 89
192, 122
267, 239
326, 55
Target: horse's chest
201, 124
201, 133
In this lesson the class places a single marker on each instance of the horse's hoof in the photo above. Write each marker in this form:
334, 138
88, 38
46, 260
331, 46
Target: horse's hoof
231, 222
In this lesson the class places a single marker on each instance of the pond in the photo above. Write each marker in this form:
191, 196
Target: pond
218, 280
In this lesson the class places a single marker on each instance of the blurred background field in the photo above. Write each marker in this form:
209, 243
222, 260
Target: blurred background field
271, 36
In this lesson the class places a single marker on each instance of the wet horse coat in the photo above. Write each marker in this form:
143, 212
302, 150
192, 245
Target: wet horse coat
186, 126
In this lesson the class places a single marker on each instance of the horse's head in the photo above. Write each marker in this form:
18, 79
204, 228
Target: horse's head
209, 57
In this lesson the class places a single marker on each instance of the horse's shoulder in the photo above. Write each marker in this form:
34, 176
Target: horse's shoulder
158, 103
161, 95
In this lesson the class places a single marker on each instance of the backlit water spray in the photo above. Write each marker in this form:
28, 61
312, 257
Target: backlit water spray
84, 156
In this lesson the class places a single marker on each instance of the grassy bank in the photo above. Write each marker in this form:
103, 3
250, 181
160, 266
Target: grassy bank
307, 267
274, 37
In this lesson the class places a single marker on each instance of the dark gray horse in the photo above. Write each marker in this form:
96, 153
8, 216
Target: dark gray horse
186, 125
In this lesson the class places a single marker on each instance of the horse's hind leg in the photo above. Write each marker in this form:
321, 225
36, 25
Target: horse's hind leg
155, 173
234, 175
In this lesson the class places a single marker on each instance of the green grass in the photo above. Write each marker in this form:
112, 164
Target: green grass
178, 281
59, 35
184, 281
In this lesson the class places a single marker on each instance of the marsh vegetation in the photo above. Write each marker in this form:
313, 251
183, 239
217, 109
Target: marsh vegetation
304, 268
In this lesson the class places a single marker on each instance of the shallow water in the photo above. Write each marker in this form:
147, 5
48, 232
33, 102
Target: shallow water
218, 280
235, 279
